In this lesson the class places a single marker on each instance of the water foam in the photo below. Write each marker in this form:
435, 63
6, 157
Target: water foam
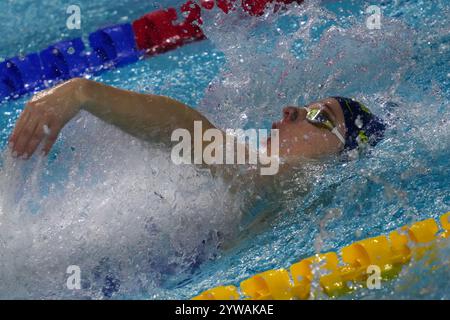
110, 204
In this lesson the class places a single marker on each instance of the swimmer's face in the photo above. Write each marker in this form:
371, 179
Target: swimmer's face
300, 138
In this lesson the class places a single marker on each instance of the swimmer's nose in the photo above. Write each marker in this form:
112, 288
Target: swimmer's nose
290, 113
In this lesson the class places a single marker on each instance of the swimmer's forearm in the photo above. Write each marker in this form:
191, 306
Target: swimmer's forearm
146, 116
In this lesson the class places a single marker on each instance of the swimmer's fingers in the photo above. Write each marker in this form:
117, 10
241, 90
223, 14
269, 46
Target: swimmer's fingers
23, 118
35, 140
51, 139
31, 128
27, 132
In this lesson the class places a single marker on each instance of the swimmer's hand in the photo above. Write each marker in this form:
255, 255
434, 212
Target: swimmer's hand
149, 117
44, 116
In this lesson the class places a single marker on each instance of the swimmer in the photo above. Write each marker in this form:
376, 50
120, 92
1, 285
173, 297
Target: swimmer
330, 126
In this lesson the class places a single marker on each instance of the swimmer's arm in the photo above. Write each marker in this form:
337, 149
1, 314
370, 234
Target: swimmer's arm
146, 116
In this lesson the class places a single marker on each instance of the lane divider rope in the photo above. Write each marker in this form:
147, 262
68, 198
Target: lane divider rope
113, 46
388, 253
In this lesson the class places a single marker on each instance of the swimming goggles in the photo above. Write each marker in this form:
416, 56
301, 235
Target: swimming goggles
319, 118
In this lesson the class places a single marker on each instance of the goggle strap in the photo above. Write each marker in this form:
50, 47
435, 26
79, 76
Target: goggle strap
338, 135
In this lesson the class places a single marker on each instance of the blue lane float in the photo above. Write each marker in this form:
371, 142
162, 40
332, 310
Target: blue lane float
20, 75
113, 45
64, 60
5, 90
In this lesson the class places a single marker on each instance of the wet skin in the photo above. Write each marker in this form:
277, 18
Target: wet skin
302, 139
153, 118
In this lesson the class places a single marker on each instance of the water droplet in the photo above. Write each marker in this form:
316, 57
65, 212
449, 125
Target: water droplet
358, 232
46, 130
358, 122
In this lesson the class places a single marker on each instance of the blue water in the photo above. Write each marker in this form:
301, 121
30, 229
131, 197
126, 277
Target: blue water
308, 53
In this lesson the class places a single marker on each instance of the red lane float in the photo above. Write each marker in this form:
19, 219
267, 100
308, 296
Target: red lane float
159, 31
155, 31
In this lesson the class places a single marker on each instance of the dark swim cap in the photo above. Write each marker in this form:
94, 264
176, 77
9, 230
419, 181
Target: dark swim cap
362, 125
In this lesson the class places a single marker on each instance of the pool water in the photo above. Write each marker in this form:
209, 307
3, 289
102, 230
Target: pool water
141, 227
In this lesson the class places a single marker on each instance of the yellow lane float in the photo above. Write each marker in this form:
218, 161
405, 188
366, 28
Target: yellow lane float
387, 254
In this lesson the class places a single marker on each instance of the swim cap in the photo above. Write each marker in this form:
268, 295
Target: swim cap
362, 125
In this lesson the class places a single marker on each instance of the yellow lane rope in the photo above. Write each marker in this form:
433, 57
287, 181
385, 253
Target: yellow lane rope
383, 254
